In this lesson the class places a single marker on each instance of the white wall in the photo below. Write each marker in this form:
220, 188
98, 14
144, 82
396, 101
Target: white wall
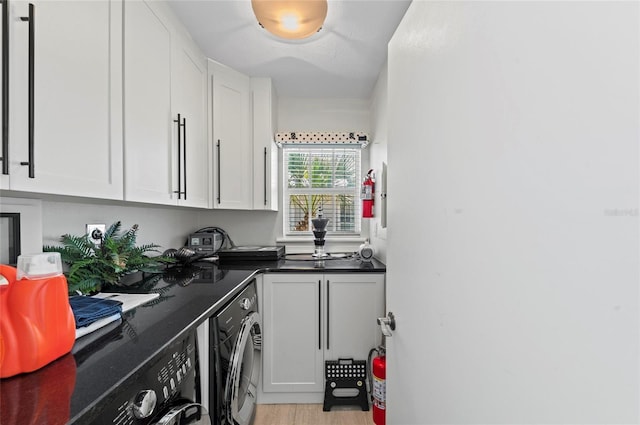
50, 216
164, 226
378, 156
514, 270
297, 114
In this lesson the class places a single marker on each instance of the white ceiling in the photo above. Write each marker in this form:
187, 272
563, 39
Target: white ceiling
342, 61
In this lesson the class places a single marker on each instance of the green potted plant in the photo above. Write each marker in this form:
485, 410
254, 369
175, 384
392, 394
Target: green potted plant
92, 266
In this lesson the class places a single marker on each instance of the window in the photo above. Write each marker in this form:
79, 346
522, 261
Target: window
327, 177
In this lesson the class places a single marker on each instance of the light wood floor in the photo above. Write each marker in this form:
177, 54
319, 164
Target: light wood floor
310, 414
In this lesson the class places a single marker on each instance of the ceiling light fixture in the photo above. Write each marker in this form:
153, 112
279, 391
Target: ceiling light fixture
293, 19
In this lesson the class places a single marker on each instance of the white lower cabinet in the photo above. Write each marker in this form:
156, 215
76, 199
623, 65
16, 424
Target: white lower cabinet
312, 317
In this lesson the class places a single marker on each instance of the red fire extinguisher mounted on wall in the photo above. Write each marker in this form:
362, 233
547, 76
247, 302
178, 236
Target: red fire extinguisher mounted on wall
377, 367
367, 194
379, 386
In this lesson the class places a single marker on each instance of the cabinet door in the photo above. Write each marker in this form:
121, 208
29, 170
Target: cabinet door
189, 84
148, 121
4, 178
354, 302
265, 151
231, 123
77, 105
292, 321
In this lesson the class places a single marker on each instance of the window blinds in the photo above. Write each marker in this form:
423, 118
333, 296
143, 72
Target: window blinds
324, 177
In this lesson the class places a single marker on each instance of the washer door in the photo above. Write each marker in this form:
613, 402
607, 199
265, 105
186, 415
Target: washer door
186, 414
244, 370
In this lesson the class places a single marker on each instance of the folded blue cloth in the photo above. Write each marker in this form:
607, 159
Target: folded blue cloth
87, 310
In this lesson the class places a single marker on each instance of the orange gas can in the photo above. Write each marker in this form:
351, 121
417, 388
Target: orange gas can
36, 320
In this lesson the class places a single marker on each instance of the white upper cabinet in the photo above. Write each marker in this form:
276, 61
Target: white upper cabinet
118, 102
231, 129
265, 151
191, 166
164, 76
148, 121
65, 110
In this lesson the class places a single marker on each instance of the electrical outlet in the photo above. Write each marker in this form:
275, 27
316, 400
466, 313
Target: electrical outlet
95, 233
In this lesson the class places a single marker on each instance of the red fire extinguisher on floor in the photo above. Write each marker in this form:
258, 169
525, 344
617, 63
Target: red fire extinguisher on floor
367, 195
378, 386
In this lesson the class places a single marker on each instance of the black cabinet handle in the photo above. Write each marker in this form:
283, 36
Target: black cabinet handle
179, 191
328, 314
218, 170
32, 45
265, 177
5, 87
184, 157
319, 315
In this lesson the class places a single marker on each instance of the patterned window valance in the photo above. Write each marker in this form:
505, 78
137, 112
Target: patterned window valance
322, 138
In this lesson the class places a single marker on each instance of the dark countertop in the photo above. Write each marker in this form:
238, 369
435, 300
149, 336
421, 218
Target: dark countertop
307, 263
71, 388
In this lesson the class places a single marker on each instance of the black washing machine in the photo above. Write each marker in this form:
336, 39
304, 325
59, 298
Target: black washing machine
165, 391
236, 344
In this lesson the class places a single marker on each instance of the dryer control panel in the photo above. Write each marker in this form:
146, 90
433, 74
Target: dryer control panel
151, 390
